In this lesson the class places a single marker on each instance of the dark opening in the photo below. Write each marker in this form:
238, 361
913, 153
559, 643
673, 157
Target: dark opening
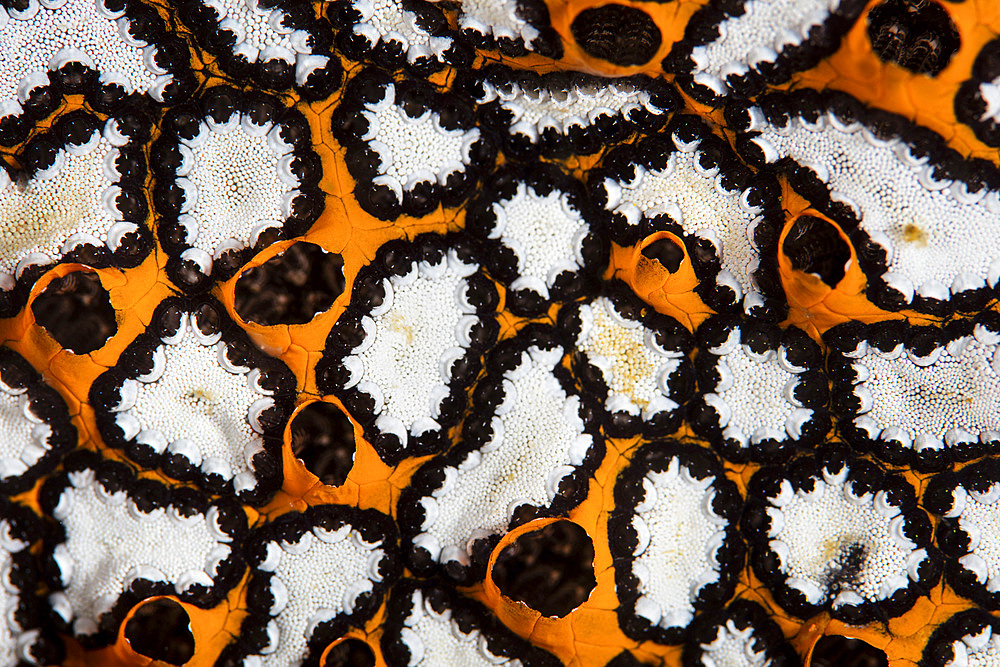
290, 288
835, 651
815, 246
323, 437
915, 34
621, 35
76, 311
666, 252
551, 570
161, 630
350, 653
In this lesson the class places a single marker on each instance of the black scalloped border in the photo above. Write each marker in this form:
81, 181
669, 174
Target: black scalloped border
48, 405
780, 108
148, 495
969, 105
938, 651
950, 538
136, 359
622, 538
864, 477
349, 125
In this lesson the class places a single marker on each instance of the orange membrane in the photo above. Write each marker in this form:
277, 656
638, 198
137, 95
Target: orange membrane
591, 634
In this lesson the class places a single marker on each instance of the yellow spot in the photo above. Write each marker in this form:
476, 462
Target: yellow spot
203, 398
628, 356
913, 234
399, 324
832, 549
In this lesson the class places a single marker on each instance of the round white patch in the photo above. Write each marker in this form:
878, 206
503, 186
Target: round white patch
72, 31
195, 405
545, 233
831, 536
421, 325
536, 110
754, 399
236, 182
70, 199
413, 150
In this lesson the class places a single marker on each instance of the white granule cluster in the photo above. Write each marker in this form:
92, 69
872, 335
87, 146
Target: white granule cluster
695, 199
52, 33
72, 201
758, 35
536, 110
414, 150
387, 21
420, 328
635, 369
754, 397
194, 403
109, 542
830, 535
538, 438
315, 579
236, 181
940, 239
545, 233
679, 535
949, 396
